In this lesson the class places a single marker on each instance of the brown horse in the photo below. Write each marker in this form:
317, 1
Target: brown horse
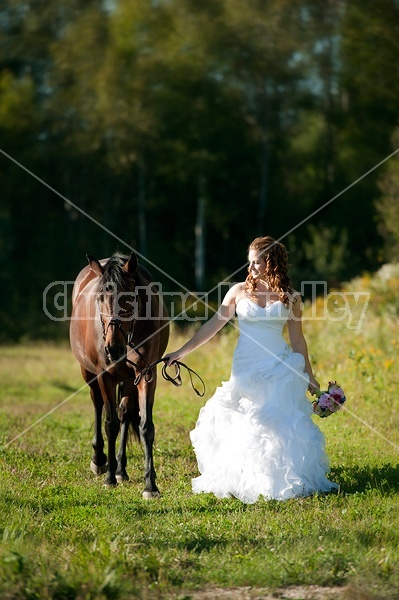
119, 326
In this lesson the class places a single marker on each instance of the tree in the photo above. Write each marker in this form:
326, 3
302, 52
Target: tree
388, 205
369, 88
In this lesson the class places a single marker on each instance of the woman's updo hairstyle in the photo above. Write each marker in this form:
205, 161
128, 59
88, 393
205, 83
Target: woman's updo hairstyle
276, 257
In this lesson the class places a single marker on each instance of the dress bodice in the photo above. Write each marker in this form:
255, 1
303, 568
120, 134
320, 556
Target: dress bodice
261, 333
261, 321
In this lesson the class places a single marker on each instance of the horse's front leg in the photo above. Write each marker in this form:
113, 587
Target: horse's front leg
108, 390
147, 434
129, 417
98, 462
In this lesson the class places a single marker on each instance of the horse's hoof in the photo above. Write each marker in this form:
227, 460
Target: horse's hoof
98, 469
148, 495
122, 477
110, 485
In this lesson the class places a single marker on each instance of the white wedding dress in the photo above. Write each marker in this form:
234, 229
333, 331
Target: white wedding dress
255, 436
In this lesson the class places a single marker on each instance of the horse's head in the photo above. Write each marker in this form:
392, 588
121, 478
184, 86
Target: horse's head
117, 302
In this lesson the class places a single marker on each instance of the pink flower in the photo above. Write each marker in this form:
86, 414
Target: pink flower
325, 401
337, 397
335, 390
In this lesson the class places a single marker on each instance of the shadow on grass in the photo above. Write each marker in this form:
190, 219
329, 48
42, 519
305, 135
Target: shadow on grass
61, 385
385, 479
203, 544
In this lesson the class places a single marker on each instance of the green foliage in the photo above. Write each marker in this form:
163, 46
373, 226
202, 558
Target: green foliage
65, 536
16, 95
322, 255
388, 206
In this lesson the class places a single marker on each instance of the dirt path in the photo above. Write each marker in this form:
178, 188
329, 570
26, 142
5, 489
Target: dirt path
310, 592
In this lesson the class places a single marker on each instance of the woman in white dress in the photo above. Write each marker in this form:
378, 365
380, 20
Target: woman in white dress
255, 436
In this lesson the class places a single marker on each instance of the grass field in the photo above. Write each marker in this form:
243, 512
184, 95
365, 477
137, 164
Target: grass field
64, 536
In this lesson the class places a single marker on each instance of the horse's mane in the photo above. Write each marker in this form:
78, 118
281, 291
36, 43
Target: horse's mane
114, 273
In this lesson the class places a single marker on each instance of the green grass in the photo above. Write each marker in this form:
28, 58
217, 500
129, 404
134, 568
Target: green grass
64, 536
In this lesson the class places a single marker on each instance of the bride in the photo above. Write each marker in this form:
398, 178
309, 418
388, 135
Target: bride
255, 436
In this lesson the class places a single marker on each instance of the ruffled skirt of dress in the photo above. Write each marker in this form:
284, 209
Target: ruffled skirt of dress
255, 437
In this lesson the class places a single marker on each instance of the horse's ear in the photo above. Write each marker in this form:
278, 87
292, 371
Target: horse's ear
130, 266
95, 265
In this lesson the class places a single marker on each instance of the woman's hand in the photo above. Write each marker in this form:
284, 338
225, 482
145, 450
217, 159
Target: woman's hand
171, 357
313, 385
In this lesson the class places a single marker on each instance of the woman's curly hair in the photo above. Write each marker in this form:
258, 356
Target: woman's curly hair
276, 257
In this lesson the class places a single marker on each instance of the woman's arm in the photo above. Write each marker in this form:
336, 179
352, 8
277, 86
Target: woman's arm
297, 339
210, 328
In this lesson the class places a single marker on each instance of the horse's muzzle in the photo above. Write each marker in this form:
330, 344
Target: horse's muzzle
114, 352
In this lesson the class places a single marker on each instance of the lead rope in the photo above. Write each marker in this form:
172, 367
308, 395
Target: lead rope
176, 380
148, 373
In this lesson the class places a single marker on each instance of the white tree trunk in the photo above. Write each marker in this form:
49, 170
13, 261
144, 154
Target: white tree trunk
200, 236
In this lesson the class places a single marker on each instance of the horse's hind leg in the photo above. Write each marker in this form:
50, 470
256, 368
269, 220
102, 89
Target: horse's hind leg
129, 417
147, 434
107, 386
98, 462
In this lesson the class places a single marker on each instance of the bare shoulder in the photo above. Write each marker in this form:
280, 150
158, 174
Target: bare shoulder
236, 292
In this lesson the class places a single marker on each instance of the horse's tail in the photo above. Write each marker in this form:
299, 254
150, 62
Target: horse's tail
135, 421
134, 414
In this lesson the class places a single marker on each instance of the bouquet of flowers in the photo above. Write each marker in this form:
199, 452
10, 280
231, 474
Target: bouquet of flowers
329, 401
